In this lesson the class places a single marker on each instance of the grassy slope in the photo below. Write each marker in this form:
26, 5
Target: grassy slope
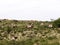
36, 35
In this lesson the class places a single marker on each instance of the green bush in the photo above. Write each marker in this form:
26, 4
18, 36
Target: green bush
56, 23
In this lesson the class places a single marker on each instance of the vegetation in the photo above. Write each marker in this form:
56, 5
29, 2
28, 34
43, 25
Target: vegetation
17, 32
56, 23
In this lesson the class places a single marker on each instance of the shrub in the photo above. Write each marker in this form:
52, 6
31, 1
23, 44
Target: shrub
56, 23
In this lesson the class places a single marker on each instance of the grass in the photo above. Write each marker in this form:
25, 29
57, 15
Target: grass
36, 35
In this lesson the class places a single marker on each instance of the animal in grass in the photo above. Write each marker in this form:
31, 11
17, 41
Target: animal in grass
30, 25
50, 25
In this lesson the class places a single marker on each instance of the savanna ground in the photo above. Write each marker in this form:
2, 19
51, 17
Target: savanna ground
15, 32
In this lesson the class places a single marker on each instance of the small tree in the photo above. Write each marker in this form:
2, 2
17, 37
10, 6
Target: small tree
56, 23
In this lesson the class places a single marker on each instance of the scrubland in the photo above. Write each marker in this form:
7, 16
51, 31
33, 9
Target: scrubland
18, 32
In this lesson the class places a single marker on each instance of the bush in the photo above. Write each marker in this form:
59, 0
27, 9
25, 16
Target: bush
56, 23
